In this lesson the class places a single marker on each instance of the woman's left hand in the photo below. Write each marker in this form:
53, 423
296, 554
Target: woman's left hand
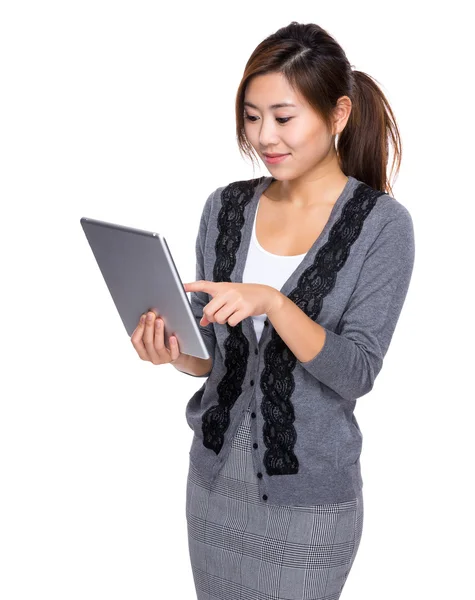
233, 302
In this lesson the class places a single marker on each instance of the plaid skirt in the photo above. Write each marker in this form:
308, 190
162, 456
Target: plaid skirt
242, 548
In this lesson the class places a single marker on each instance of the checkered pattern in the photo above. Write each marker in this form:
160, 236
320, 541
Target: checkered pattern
243, 548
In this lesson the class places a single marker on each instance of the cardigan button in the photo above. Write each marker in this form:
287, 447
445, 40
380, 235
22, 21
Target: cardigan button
266, 323
255, 351
259, 475
252, 381
264, 497
253, 415
254, 445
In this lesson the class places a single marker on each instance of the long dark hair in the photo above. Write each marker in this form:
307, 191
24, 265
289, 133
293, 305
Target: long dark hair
316, 65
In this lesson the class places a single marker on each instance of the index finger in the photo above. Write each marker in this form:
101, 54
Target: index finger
200, 286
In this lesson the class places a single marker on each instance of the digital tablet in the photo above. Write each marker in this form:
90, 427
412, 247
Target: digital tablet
139, 271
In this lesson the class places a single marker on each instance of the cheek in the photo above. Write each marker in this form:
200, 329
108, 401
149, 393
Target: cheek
250, 132
308, 140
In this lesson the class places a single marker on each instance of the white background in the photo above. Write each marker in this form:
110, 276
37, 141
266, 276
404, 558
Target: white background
124, 111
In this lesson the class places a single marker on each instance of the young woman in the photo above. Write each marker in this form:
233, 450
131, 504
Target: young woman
301, 278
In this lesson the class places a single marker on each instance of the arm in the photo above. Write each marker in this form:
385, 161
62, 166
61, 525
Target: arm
349, 361
192, 365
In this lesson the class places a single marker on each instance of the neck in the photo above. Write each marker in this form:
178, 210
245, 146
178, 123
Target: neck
315, 188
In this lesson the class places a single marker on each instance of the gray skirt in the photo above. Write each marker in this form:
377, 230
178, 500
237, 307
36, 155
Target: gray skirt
242, 548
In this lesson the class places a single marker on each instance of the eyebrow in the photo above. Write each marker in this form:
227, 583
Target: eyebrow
279, 105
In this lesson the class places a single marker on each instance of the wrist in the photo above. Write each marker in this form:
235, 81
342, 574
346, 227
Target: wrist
193, 365
276, 302
181, 362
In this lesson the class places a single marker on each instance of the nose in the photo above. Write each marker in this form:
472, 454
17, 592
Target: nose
268, 137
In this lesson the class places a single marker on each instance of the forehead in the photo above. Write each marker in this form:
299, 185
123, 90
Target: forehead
271, 91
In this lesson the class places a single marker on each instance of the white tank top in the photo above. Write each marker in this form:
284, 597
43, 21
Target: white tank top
267, 269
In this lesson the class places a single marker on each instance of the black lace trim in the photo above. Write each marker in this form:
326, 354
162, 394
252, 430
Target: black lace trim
277, 381
215, 421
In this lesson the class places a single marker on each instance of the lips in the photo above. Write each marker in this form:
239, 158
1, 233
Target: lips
275, 159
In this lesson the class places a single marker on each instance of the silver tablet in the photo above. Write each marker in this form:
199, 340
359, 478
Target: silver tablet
139, 271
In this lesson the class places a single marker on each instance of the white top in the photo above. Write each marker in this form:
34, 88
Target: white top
267, 269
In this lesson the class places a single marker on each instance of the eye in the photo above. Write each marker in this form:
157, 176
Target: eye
281, 120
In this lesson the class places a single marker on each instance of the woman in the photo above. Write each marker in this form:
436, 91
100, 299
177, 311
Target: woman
301, 278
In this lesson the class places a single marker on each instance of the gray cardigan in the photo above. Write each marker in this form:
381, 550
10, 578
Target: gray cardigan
353, 281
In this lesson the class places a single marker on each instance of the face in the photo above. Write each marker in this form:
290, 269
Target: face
293, 130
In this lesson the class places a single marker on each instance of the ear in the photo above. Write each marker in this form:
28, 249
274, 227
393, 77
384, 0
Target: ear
341, 114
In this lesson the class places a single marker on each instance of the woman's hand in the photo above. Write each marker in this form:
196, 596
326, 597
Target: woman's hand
233, 302
148, 341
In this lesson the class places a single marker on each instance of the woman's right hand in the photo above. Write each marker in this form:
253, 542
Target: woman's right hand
148, 341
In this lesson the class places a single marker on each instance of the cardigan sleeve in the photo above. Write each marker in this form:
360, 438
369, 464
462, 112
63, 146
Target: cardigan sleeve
199, 300
352, 356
